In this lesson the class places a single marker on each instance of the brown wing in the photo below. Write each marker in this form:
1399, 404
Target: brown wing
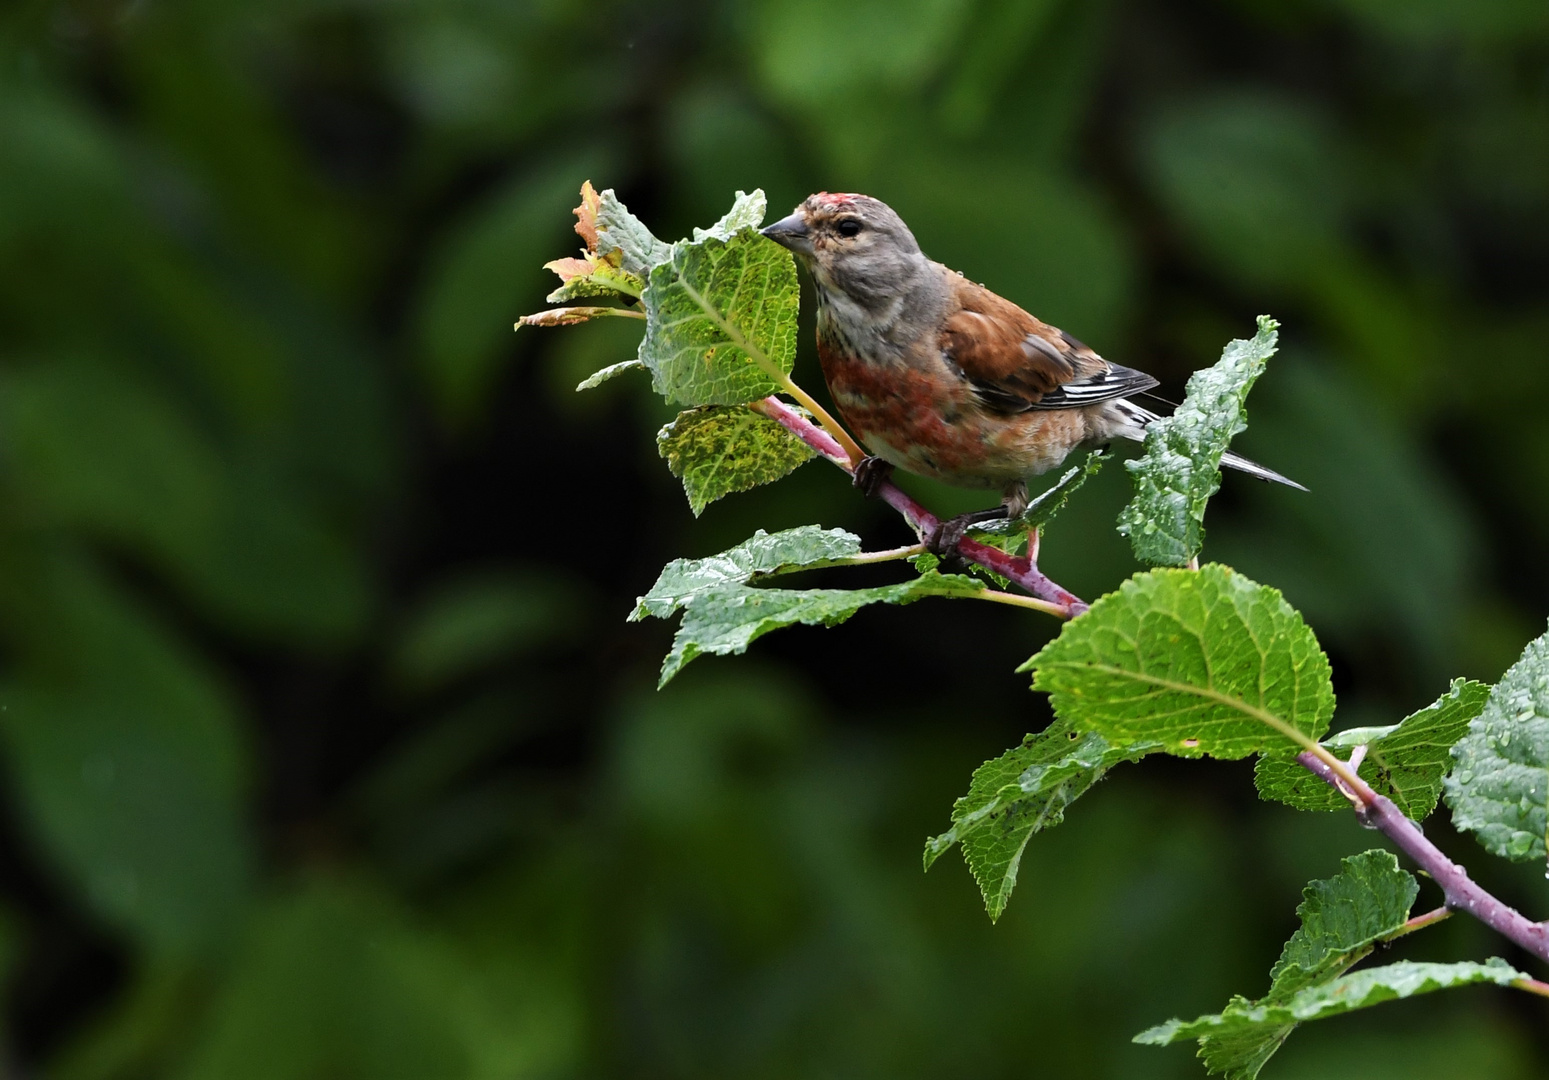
1016, 362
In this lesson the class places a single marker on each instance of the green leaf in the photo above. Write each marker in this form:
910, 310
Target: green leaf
730, 618
1048, 503
597, 378
721, 313
1203, 662
719, 449
761, 554
747, 212
1502, 776
617, 229
1024, 791
1343, 917
600, 271
1180, 468
1405, 761
1239, 1051
1042, 509
598, 278
1245, 1034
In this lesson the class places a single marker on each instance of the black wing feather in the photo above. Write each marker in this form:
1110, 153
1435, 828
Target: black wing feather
1116, 382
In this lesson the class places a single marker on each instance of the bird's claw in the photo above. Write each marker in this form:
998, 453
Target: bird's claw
871, 473
942, 541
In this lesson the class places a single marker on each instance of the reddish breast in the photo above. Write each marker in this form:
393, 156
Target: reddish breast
927, 422
920, 420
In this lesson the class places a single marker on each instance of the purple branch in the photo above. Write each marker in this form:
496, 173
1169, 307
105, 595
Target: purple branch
1024, 571
1374, 810
1377, 812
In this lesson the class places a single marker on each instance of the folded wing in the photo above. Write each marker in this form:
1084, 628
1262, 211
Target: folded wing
1016, 363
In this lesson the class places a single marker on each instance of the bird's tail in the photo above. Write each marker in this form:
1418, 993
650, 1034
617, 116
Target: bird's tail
1257, 471
1139, 416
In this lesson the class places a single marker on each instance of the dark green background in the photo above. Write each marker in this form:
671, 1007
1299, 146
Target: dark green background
327, 751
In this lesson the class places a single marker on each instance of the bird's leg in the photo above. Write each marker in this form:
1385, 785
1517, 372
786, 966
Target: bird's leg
1015, 498
1016, 503
871, 473
942, 541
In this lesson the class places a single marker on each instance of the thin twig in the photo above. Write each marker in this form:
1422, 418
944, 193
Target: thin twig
852, 449
1021, 570
798, 425
1461, 893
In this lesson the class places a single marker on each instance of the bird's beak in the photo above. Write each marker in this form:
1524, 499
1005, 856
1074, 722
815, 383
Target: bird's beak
790, 232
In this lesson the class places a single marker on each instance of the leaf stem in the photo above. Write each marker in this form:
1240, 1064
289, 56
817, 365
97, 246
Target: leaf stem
1420, 922
1016, 600
1532, 986
1462, 894
865, 558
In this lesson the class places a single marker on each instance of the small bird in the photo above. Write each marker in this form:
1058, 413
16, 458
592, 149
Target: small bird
943, 378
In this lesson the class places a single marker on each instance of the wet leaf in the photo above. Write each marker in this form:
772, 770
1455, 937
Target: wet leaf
728, 619
1501, 780
722, 315
597, 378
761, 554
1405, 762
1244, 1035
1343, 917
1022, 792
1205, 663
1181, 467
719, 449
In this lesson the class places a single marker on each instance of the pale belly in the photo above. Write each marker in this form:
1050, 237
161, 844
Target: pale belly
976, 454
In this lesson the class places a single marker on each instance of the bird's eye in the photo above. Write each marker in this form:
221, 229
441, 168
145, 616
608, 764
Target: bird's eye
848, 228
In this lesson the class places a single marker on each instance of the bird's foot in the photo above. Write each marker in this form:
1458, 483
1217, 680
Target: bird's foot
871, 474
942, 541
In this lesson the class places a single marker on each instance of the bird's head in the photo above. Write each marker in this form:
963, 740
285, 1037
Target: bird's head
853, 244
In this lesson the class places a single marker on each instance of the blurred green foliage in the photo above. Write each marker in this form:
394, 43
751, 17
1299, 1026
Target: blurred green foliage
327, 751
